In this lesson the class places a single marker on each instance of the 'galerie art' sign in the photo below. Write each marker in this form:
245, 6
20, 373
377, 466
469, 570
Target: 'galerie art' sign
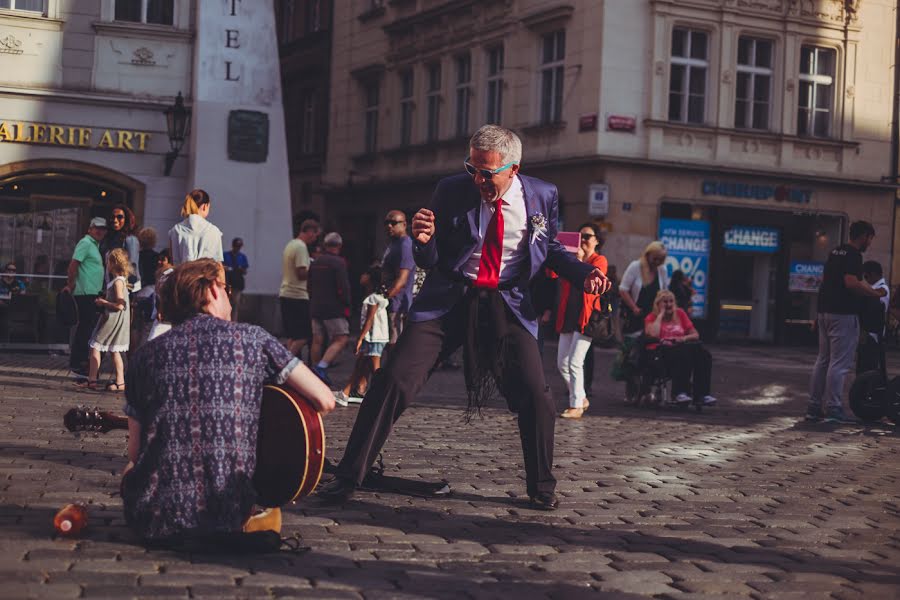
25, 132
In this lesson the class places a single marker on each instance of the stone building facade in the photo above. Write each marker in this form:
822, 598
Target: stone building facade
83, 89
747, 134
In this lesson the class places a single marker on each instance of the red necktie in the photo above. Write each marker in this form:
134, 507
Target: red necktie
491, 251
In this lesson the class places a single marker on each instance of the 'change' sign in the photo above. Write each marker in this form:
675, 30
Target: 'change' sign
753, 239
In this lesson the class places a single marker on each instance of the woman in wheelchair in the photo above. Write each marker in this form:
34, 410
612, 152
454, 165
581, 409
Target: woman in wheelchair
670, 333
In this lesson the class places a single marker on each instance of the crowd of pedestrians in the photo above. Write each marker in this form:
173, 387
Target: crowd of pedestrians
116, 269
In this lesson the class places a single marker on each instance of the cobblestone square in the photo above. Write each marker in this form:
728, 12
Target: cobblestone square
741, 501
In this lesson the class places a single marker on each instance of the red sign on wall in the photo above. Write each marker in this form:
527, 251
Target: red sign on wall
620, 123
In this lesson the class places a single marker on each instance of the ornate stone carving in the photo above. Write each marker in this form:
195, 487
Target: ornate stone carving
143, 56
659, 68
851, 92
10, 45
776, 6
835, 11
789, 85
727, 77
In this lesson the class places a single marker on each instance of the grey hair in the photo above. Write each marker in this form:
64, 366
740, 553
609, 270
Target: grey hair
333, 239
493, 138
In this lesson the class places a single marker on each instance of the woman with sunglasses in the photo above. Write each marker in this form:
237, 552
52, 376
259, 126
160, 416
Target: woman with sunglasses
195, 237
572, 314
122, 234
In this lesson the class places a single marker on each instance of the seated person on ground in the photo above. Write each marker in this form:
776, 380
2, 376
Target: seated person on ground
193, 400
673, 334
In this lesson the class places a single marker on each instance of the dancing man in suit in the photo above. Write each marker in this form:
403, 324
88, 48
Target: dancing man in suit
480, 262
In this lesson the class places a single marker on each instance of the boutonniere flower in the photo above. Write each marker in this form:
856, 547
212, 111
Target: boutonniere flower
538, 226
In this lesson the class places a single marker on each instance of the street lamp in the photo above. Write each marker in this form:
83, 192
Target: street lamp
178, 125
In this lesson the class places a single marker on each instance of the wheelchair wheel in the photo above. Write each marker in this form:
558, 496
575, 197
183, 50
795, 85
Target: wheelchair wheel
892, 401
869, 395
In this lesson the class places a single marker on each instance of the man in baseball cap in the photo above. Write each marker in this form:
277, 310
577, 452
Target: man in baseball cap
85, 282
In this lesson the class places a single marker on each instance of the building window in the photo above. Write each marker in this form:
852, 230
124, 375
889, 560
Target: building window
308, 122
371, 138
463, 93
687, 79
816, 91
286, 20
313, 21
495, 85
157, 12
433, 96
27, 5
553, 54
754, 84
406, 107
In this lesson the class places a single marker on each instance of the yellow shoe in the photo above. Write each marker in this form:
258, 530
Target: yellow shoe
267, 520
572, 413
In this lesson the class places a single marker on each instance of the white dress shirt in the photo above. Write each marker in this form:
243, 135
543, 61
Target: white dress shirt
881, 284
515, 235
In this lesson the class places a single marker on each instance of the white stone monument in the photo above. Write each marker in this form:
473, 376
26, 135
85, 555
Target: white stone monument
238, 134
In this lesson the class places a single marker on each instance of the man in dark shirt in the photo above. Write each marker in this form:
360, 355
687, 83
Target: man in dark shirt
398, 266
839, 299
329, 305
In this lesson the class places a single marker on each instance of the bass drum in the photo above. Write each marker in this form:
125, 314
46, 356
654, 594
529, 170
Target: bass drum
869, 396
892, 406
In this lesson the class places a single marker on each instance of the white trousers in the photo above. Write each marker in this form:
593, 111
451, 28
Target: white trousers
572, 349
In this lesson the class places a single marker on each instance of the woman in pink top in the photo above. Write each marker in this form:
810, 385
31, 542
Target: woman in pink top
684, 361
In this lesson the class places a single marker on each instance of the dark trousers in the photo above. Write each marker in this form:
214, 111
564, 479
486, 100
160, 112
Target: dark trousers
868, 355
420, 347
87, 319
686, 363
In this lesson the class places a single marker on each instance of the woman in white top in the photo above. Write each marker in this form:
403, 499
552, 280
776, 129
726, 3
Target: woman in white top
195, 237
640, 283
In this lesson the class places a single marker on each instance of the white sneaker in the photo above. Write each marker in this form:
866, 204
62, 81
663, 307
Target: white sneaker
354, 399
709, 400
682, 399
340, 399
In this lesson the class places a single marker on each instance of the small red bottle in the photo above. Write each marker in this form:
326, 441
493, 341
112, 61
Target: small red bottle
71, 519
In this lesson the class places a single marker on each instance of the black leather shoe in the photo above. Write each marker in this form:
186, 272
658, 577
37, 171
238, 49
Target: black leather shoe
336, 491
544, 501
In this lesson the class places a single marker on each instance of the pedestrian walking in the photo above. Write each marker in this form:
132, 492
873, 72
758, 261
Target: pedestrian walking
236, 267
399, 267
374, 334
487, 234
84, 280
121, 234
142, 300
572, 314
294, 292
159, 324
872, 319
838, 324
195, 237
329, 305
112, 333
642, 280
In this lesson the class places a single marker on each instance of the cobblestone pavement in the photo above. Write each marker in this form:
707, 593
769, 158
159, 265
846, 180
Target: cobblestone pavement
743, 501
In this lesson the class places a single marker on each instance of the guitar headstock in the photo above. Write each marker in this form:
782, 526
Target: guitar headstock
93, 419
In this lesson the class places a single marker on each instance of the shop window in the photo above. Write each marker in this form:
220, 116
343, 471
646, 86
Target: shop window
553, 54
463, 93
754, 84
307, 131
687, 76
371, 116
433, 99
157, 12
817, 69
406, 107
38, 6
495, 85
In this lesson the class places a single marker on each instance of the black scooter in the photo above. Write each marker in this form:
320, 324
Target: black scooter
872, 396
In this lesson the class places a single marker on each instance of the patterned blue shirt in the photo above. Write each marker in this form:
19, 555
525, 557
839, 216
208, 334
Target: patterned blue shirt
196, 392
